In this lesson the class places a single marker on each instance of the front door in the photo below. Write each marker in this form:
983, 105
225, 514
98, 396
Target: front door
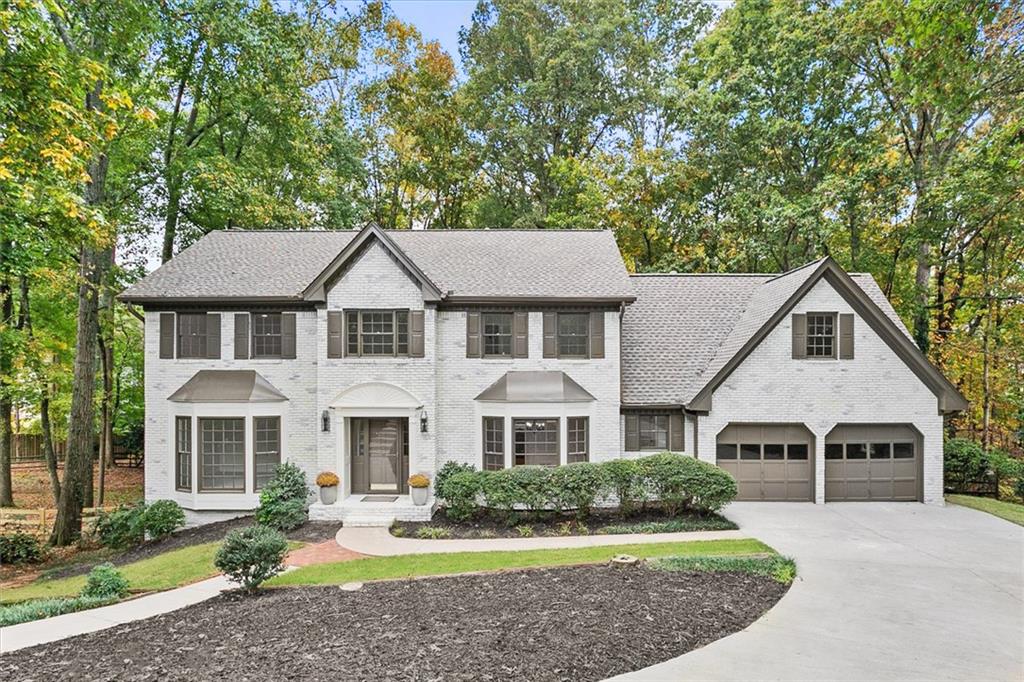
379, 455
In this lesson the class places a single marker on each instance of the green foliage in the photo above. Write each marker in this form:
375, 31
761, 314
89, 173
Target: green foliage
681, 525
967, 461
431, 533
129, 525
577, 486
681, 482
20, 548
24, 612
779, 568
676, 482
252, 555
123, 527
163, 517
105, 582
283, 499
447, 470
461, 487
626, 483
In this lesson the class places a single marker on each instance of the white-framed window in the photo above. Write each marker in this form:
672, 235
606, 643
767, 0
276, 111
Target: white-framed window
535, 442
578, 439
222, 454
494, 443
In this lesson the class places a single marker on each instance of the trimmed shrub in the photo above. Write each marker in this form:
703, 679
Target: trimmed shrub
252, 555
448, 470
625, 480
577, 487
162, 518
680, 482
105, 582
122, 527
46, 608
461, 490
964, 460
517, 492
20, 548
283, 499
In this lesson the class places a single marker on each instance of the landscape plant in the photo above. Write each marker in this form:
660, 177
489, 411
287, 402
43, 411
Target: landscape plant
122, 527
250, 556
161, 518
283, 499
674, 482
20, 548
105, 582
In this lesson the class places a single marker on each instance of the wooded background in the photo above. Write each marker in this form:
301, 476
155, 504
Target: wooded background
885, 133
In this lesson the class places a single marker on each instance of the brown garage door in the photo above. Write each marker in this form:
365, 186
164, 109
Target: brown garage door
768, 461
872, 462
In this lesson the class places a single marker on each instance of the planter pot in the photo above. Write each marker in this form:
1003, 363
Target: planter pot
419, 496
329, 494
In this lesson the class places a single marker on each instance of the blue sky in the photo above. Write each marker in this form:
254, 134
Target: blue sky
438, 20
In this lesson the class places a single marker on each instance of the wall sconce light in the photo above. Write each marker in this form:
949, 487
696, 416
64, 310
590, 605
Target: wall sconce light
423, 421
325, 421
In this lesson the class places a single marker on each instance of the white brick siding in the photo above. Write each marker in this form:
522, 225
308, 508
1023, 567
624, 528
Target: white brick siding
874, 387
769, 386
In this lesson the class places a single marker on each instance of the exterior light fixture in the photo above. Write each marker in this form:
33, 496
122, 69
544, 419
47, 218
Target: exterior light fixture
325, 421
423, 420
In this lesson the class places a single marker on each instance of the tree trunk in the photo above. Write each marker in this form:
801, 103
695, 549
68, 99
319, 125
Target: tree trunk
6, 366
922, 284
48, 452
171, 218
81, 429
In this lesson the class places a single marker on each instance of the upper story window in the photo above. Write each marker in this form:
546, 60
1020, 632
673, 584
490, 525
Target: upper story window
821, 335
377, 332
192, 335
266, 335
573, 335
497, 334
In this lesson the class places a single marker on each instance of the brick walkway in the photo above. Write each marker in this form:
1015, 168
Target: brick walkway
322, 553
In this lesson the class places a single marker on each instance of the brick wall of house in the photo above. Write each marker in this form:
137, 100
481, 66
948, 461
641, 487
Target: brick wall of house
874, 387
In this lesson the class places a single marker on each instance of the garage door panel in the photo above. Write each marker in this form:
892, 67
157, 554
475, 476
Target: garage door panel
763, 468
871, 462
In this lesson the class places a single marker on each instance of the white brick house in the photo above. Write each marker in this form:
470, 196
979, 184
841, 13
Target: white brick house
378, 354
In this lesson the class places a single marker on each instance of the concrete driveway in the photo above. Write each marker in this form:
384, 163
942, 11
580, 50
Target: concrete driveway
887, 591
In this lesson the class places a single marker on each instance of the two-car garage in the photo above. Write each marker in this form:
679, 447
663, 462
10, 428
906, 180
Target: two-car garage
863, 462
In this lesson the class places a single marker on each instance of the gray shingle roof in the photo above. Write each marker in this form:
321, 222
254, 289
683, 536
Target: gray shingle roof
683, 329
275, 264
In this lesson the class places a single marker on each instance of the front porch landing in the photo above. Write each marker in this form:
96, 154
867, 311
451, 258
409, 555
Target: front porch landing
353, 511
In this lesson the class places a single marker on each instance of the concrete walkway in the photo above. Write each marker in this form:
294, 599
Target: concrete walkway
887, 591
380, 542
48, 630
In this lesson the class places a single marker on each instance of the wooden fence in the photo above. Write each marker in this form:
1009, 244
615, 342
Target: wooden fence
39, 522
28, 447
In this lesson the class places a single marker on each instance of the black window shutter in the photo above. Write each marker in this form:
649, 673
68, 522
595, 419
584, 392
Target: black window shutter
846, 336
288, 336
675, 432
241, 336
416, 333
551, 335
632, 433
213, 335
166, 335
473, 345
521, 335
597, 334
335, 340
799, 336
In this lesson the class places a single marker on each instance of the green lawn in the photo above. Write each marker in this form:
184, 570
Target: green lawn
1014, 513
412, 565
175, 568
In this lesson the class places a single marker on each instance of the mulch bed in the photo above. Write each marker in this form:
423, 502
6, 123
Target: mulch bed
580, 623
598, 522
311, 531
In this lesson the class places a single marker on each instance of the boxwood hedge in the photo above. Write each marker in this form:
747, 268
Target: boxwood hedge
676, 483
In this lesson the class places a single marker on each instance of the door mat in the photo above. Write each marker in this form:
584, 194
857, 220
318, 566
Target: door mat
379, 498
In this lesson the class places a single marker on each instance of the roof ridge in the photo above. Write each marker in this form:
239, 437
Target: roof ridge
702, 274
281, 230
819, 261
